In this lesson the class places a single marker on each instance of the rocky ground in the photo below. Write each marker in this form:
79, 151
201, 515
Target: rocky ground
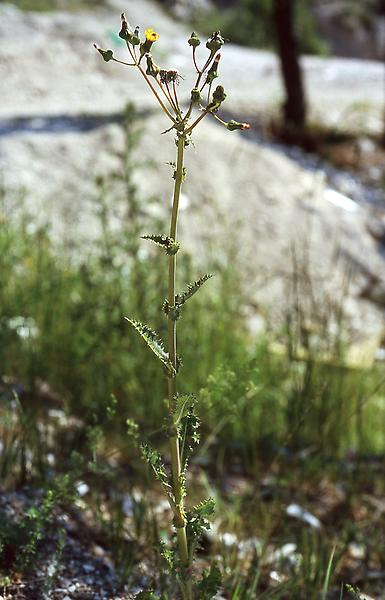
237, 189
69, 565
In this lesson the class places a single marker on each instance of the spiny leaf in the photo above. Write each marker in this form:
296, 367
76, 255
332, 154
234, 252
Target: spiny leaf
197, 520
182, 484
183, 402
210, 583
189, 434
154, 343
173, 312
191, 289
206, 508
170, 245
154, 459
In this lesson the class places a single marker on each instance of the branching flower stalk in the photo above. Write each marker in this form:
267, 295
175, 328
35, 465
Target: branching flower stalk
182, 422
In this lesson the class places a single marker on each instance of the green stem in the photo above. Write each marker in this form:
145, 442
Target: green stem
172, 389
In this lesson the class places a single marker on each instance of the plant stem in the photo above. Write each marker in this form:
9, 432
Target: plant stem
164, 108
201, 116
174, 441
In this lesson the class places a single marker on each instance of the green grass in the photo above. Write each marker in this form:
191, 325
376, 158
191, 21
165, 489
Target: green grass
61, 321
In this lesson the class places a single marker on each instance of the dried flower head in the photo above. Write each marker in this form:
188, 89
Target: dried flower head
170, 76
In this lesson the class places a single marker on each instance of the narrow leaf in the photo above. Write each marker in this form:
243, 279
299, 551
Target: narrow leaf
154, 342
328, 575
169, 244
191, 289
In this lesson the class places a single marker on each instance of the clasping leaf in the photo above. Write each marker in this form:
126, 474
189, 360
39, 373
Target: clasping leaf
170, 245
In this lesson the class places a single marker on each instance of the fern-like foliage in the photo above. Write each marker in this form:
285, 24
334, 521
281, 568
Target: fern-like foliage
133, 431
209, 585
170, 245
168, 555
155, 344
191, 289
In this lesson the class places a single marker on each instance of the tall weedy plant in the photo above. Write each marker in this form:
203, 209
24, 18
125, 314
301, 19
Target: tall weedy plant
182, 422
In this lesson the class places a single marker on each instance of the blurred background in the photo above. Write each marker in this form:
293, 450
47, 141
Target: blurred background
285, 347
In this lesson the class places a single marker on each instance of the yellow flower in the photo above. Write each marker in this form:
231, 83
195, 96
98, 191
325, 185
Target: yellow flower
151, 35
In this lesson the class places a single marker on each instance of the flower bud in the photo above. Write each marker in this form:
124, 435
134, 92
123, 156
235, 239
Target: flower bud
234, 125
135, 39
152, 68
196, 96
106, 54
219, 94
212, 73
194, 40
215, 42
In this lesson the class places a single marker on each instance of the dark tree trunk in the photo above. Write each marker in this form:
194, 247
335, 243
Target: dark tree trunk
381, 10
294, 108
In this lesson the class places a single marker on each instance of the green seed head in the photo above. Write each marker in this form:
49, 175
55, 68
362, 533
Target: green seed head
135, 40
194, 40
106, 54
125, 32
215, 42
152, 68
196, 96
